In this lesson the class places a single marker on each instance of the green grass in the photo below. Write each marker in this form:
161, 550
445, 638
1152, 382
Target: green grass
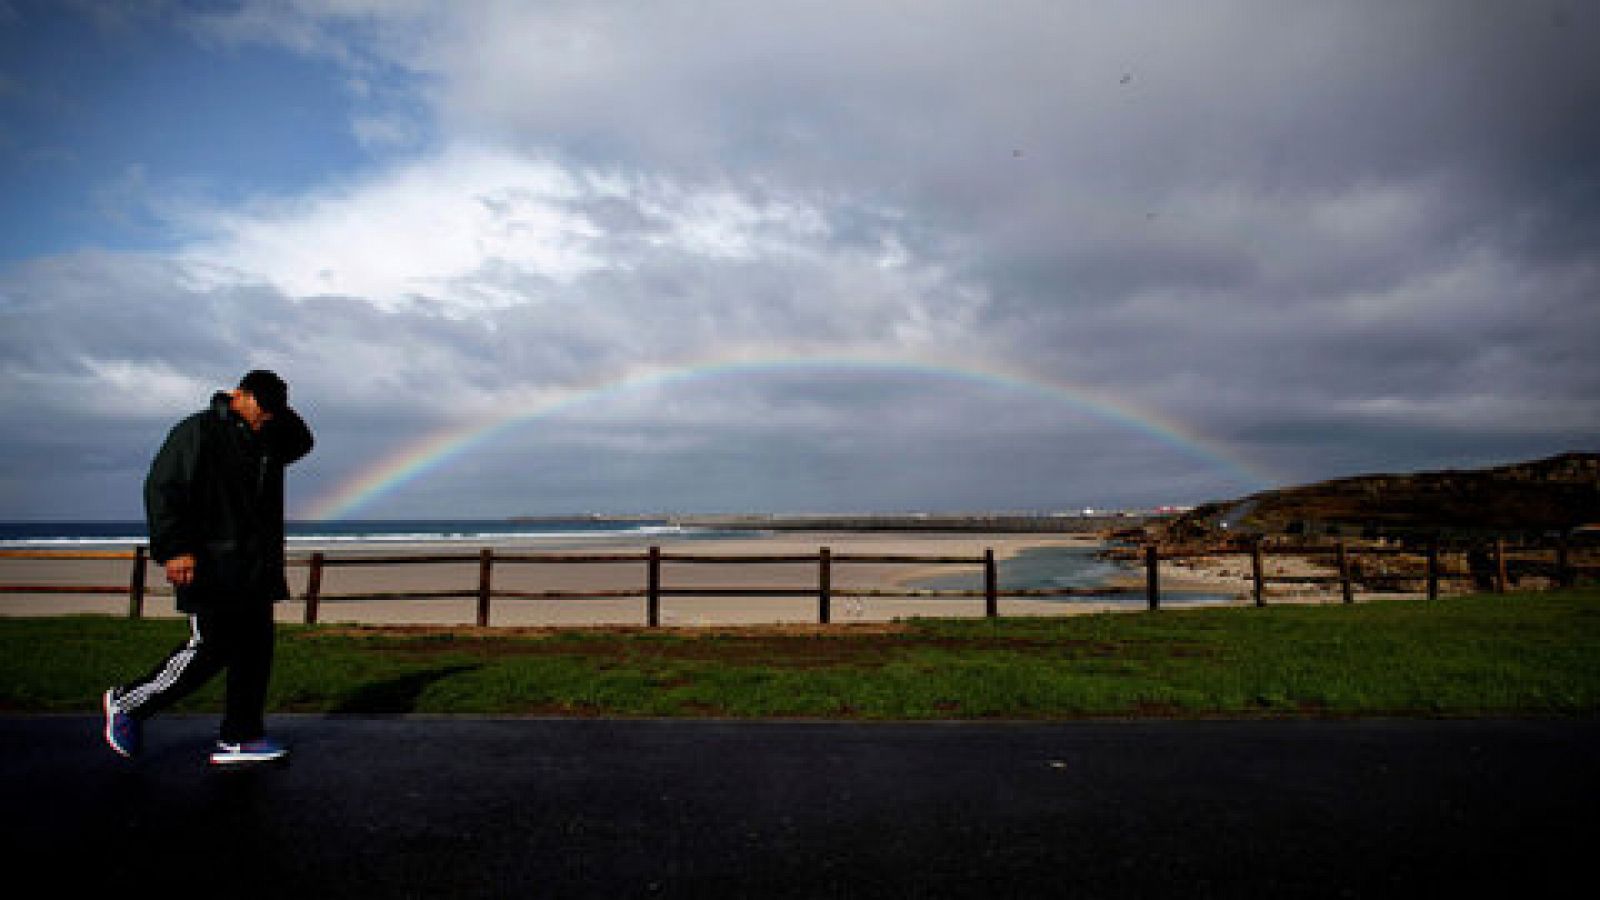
1518, 654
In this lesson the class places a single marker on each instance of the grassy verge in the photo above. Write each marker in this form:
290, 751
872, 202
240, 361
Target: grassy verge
1519, 654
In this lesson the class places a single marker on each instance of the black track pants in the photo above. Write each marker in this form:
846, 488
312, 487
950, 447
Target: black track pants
238, 640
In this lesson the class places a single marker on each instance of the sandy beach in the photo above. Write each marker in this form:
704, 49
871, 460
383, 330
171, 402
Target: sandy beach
684, 611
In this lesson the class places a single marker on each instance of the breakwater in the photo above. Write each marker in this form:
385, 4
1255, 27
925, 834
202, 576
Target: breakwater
964, 522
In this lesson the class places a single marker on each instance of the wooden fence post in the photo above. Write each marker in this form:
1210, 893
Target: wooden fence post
653, 588
1152, 576
314, 588
1433, 569
1563, 563
1499, 565
1345, 588
991, 585
1259, 569
485, 582
136, 583
825, 586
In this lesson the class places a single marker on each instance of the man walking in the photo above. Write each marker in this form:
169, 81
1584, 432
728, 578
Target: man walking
214, 503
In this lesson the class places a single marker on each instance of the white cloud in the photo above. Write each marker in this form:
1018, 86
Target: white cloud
120, 387
621, 263
382, 132
413, 234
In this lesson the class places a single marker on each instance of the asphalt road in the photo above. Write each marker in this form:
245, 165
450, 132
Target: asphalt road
468, 807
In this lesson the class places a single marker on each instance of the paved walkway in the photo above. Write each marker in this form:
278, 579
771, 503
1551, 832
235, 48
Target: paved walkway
466, 807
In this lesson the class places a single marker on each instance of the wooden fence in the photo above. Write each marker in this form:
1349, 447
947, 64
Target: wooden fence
1344, 563
1488, 565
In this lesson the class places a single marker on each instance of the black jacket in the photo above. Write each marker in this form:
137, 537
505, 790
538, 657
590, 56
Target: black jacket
215, 490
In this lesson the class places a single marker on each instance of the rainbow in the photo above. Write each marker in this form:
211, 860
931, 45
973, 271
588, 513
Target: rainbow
436, 450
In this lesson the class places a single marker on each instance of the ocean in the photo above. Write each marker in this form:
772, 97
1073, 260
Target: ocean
1068, 567
124, 535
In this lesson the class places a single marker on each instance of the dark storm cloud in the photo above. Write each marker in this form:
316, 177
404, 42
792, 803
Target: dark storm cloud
1298, 203
1331, 237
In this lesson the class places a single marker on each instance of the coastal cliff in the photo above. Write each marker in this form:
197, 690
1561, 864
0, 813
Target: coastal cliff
1560, 493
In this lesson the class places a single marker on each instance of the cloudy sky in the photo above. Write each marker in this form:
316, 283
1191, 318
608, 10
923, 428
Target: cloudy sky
718, 255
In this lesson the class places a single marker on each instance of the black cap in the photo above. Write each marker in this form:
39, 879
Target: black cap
268, 389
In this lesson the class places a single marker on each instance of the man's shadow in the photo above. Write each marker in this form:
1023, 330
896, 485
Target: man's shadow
396, 696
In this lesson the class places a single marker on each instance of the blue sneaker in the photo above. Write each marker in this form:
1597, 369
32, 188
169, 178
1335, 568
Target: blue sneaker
260, 750
124, 733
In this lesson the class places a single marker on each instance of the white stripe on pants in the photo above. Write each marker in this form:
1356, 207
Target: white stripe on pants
176, 665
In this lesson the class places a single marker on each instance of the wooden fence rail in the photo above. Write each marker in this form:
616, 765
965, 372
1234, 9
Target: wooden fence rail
654, 589
824, 590
1492, 568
